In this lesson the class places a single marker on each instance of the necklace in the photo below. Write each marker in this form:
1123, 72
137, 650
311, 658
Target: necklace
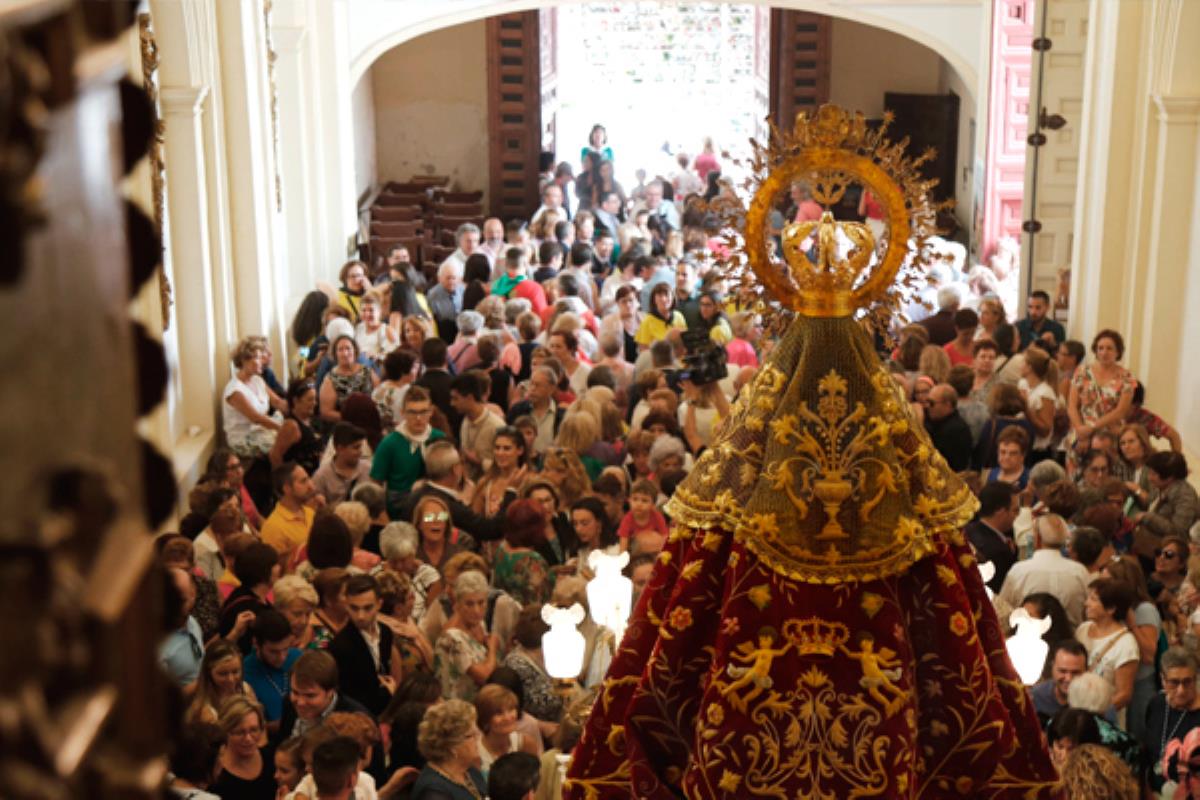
467, 784
1166, 737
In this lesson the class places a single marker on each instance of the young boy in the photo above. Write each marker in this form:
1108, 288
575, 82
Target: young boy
336, 478
644, 523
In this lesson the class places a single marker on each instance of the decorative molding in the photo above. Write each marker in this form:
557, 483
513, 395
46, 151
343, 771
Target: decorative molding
1176, 110
272, 57
289, 38
158, 165
182, 100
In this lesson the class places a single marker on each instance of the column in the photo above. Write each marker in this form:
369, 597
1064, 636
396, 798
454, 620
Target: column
193, 377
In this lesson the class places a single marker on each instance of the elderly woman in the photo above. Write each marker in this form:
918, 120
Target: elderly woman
347, 377
296, 599
398, 543
246, 770
496, 708
519, 569
250, 427
1113, 652
449, 741
667, 455
465, 652
331, 614
1174, 508
1134, 446
463, 354
1101, 394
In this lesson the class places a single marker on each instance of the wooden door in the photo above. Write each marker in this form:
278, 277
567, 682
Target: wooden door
929, 121
1052, 137
514, 114
800, 57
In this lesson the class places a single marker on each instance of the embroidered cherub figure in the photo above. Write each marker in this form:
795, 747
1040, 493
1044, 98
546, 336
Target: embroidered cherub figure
879, 670
756, 674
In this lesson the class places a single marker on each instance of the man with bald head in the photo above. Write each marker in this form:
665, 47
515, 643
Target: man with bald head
181, 652
949, 431
493, 245
1049, 571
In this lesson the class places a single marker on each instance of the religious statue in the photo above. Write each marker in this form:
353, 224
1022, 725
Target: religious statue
816, 626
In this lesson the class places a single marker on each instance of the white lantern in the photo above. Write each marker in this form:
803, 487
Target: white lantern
1026, 647
563, 644
610, 594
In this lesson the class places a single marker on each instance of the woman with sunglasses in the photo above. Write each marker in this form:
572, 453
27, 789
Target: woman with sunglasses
431, 516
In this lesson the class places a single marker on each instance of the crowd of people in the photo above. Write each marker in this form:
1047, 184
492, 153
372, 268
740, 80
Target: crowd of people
355, 598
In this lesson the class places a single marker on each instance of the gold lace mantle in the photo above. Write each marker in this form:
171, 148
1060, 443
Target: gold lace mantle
821, 469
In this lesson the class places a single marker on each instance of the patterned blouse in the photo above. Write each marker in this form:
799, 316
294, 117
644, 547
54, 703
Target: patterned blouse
455, 651
346, 385
524, 575
540, 699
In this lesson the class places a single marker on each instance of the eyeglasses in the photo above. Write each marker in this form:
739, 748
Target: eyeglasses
440, 516
1160, 553
249, 733
1178, 683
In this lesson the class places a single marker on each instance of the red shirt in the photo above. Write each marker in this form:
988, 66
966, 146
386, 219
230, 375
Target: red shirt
956, 357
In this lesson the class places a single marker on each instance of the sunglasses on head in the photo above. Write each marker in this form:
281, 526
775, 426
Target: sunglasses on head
435, 516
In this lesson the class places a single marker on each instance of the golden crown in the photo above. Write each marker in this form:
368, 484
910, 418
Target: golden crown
832, 268
816, 636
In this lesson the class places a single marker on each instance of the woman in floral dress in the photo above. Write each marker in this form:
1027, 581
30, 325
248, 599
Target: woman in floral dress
465, 653
1101, 395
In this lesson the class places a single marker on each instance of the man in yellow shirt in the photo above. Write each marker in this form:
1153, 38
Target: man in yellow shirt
287, 527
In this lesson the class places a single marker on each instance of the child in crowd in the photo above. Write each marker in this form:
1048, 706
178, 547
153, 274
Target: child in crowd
643, 528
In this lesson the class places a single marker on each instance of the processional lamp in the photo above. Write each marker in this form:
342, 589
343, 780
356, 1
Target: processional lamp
1026, 647
563, 644
610, 594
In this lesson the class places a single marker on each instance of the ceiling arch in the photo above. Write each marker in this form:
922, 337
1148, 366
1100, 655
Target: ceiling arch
951, 28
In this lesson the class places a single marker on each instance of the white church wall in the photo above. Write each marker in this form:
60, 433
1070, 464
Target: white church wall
362, 104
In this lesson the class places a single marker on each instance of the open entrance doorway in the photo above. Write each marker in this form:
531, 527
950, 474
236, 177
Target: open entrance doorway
660, 77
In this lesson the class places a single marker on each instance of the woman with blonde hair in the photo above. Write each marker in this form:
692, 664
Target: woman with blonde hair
579, 433
249, 422
991, 315
296, 599
542, 228
934, 362
1037, 385
245, 769
220, 679
1093, 772
358, 522
414, 331
565, 469
496, 710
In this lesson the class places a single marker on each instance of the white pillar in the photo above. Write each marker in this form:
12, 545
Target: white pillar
193, 375
251, 170
1171, 193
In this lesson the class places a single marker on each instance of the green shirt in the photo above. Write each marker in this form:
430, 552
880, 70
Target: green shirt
398, 464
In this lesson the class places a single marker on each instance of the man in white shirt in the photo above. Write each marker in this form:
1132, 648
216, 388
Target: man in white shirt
658, 207
479, 424
564, 346
1049, 571
467, 238
493, 245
